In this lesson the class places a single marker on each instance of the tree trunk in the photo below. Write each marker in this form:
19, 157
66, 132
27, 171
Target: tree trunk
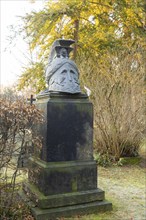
76, 36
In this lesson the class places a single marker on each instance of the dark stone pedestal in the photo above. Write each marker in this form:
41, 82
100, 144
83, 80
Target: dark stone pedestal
68, 128
62, 178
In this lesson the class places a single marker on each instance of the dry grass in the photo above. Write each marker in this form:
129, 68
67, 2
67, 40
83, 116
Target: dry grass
125, 188
142, 150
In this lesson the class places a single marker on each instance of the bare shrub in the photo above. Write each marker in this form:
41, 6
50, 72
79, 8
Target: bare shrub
17, 119
119, 117
117, 87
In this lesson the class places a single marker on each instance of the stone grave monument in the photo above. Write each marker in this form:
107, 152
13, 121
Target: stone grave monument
62, 179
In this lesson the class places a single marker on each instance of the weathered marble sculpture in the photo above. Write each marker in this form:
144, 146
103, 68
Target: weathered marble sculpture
62, 74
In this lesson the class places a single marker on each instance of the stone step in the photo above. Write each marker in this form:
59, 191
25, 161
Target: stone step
67, 211
64, 199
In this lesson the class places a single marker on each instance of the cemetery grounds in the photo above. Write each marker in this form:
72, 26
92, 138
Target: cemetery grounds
125, 187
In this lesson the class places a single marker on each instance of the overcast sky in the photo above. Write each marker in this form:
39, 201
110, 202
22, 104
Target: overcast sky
11, 62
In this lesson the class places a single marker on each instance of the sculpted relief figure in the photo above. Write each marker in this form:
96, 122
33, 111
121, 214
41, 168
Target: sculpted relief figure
62, 74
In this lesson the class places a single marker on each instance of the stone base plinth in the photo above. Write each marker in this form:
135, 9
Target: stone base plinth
56, 189
69, 210
64, 199
53, 178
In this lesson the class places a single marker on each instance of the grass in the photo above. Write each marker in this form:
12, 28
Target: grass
125, 188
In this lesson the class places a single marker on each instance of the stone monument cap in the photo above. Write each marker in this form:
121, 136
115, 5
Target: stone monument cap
62, 74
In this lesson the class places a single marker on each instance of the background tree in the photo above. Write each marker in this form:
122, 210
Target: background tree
96, 26
110, 53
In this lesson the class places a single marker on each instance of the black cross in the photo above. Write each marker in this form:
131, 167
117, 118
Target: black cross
31, 99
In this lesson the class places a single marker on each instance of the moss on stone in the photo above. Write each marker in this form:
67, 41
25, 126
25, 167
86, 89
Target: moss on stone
74, 184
